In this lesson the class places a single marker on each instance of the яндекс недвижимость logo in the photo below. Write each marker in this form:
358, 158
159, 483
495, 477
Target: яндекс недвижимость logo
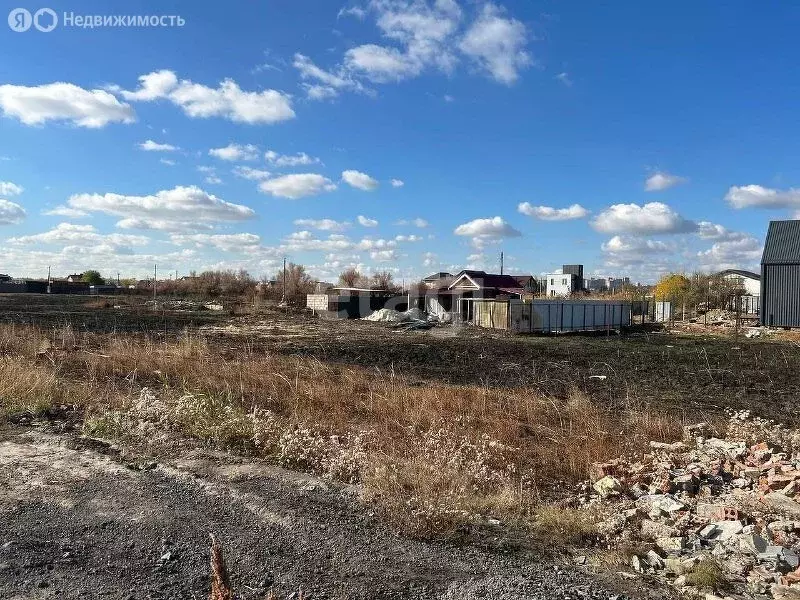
21, 19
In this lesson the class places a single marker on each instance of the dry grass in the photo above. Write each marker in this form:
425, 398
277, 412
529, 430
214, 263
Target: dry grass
433, 456
707, 574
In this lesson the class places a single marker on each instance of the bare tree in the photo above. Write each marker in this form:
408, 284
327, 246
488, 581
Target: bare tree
383, 280
350, 277
298, 284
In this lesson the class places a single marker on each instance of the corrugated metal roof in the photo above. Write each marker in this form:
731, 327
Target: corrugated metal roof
782, 245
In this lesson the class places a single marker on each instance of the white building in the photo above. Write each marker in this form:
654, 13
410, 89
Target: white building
561, 284
749, 281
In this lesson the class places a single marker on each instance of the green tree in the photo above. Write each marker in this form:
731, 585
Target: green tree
93, 277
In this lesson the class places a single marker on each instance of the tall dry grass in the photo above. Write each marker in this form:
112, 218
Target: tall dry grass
432, 456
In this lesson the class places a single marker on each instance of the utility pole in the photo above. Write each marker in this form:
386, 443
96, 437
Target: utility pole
48, 279
284, 280
155, 283
501, 263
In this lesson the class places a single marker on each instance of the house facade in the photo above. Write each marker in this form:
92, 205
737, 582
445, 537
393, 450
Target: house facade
562, 284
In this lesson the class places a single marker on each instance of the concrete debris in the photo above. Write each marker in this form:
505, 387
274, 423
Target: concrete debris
731, 501
410, 319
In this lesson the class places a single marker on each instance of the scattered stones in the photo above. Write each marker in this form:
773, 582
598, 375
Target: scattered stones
731, 501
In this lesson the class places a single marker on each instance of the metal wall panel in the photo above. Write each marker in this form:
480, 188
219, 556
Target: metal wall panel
780, 295
547, 316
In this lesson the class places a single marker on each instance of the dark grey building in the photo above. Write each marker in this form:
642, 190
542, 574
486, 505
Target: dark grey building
780, 275
577, 272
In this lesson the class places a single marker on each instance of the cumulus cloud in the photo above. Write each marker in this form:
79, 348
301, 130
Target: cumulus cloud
7, 188
65, 211
397, 183
227, 101
712, 231
634, 245
11, 213
653, 217
756, 196
81, 235
731, 254
359, 180
297, 185
282, 160
233, 152
662, 181
179, 208
233, 242
250, 173
548, 213
322, 224
496, 43
151, 146
483, 231
367, 222
384, 255
63, 102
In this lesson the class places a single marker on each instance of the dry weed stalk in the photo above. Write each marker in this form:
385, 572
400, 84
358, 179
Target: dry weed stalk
220, 581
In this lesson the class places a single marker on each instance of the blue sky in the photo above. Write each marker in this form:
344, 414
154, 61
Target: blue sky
403, 135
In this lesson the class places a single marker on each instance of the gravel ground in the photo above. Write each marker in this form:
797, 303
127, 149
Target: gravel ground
80, 521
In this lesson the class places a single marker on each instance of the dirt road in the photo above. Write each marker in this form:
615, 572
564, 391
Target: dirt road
80, 521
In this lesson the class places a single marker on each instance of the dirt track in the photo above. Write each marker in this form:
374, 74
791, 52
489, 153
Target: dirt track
77, 523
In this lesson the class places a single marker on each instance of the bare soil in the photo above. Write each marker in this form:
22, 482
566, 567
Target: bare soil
80, 519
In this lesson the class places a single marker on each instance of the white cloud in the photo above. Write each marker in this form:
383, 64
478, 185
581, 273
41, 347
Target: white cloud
653, 217
429, 259
384, 255
81, 235
422, 36
63, 102
233, 152
11, 213
397, 183
731, 254
354, 11
7, 188
322, 224
235, 242
483, 231
167, 161
65, 211
407, 238
299, 159
359, 180
497, 44
153, 86
367, 222
748, 196
328, 84
418, 222
565, 79
151, 146
380, 63
250, 173
213, 180
634, 245
297, 185
548, 213
711, 231
228, 100
179, 208
662, 181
